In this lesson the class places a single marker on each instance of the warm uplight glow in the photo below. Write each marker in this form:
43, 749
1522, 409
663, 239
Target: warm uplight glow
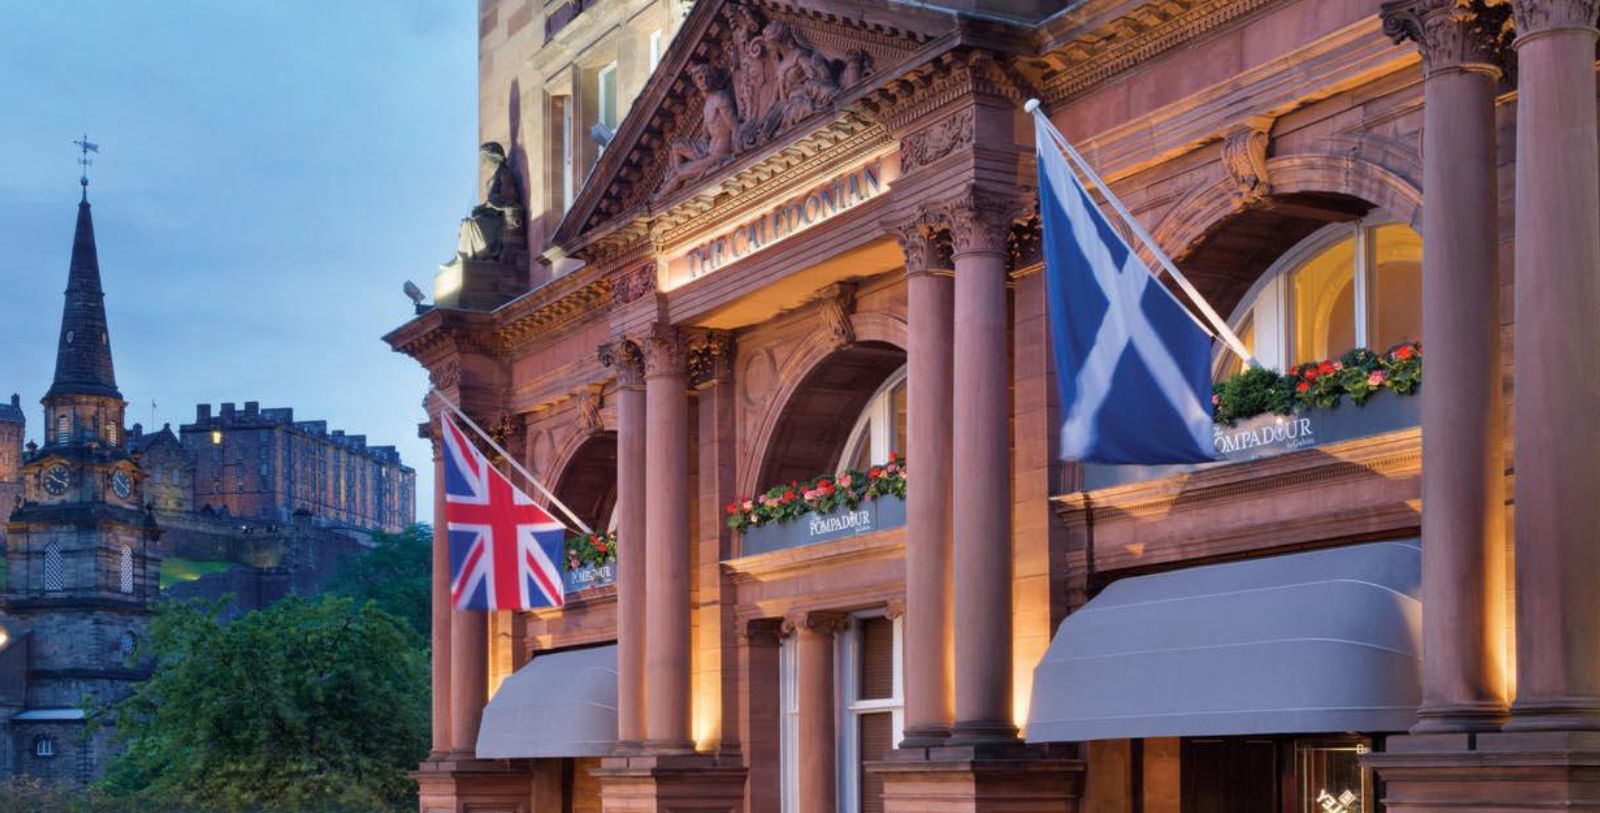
447, 281
5, 638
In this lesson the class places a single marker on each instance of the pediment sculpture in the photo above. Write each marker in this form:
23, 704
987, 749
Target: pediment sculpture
770, 78
485, 231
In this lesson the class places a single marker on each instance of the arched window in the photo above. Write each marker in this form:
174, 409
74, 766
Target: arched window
881, 429
125, 570
55, 569
1348, 285
63, 428
44, 747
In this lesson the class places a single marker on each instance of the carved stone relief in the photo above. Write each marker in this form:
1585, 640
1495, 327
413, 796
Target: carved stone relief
1244, 155
946, 136
837, 302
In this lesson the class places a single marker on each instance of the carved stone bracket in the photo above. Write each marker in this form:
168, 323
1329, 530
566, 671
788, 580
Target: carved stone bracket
589, 401
818, 622
1244, 155
446, 375
1534, 16
945, 136
1454, 34
711, 358
837, 302
1025, 246
626, 358
665, 351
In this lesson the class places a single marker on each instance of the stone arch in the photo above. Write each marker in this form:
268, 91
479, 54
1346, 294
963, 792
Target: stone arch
587, 479
822, 385
1224, 249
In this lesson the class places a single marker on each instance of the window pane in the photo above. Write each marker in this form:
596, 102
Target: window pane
1331, 780
898, 405
859, 457
877, 739
1324, 304
1397, 286
877, 659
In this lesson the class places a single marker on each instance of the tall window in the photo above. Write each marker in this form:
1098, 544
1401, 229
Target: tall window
111, 432
789, 726
873, 708
881, 429
55, 568
561, 150
606, 96
1347, 286
655, 49
63, 428
125, 570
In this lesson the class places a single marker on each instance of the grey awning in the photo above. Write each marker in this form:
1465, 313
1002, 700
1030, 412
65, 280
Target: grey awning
563, 704
1329, 640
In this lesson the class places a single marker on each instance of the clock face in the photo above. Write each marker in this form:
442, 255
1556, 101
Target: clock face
121, 484
56, 479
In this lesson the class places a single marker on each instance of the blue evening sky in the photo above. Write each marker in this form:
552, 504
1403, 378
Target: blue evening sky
271, 172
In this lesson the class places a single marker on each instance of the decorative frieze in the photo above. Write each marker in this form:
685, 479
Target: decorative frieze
1451, 34
944, 137
636, 283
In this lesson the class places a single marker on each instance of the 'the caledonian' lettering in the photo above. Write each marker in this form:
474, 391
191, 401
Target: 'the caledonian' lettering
792, 216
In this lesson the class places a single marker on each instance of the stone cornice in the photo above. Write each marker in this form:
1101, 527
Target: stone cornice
1094, 48
887, 544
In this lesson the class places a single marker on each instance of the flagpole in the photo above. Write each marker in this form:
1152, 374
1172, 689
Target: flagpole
512, 460
1218, 325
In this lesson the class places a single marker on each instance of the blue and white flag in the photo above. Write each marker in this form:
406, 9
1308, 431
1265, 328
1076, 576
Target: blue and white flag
1132, 362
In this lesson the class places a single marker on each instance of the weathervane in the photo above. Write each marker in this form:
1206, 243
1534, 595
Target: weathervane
85, 146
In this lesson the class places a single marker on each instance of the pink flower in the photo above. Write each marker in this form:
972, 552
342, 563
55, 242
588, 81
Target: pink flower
749, 506
1375, 379
1338, 365
844, 480
1215, 399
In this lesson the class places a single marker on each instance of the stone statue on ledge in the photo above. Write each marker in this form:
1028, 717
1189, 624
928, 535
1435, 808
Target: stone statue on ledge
483, 232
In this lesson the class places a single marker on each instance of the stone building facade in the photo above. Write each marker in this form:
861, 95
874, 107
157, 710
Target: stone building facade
262, 465
13, 429
813, 242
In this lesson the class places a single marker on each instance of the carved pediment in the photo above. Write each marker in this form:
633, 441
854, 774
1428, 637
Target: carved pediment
741, 80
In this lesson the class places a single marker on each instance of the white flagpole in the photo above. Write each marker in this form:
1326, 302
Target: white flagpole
512, 460
1216, 321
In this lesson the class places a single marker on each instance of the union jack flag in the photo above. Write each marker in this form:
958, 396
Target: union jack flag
505, 551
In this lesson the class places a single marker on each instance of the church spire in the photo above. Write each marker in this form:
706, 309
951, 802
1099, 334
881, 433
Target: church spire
83, 355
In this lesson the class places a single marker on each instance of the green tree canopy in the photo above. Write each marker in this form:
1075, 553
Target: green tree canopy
396, 574
311, 706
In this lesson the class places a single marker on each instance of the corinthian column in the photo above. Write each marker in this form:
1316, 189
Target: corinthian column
1558, 372
982, 443
440, 622
817, 774
666, 507
1463, 473
929, 622
627, 360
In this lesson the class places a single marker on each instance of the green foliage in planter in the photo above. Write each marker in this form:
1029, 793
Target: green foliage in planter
819, 495
1320, 384
591, 550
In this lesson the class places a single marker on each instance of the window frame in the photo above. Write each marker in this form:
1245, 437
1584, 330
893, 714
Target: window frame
655, 49
876, 417
847, 661
606, 100
1270, 300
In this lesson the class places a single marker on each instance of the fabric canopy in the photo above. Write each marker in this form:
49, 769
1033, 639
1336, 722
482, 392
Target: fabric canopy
1329, 640
563, 704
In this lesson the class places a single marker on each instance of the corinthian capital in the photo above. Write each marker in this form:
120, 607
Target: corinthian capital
980, 222
627, 359
665, 351
1451, 34
1534, 16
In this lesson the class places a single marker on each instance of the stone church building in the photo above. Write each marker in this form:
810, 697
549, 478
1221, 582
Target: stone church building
761, 254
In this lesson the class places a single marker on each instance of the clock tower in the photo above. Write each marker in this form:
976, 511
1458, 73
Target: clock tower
81, 551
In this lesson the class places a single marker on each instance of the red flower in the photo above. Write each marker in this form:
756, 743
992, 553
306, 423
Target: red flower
1404, 351
601, 547
875, 472
732, 508
894, 456
1303, 386
1309, 374
1325, 368
788, 494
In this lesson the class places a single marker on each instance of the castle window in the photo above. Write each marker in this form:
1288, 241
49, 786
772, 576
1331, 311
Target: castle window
55, 569
125, 573
44, 747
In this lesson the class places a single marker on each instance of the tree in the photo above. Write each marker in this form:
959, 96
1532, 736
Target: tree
309, 705
396, 574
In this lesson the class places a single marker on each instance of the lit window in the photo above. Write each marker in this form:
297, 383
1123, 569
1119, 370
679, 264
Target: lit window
216, 437
55, 568
881, 429
655, 49
1347, 286
44, 747
125, 570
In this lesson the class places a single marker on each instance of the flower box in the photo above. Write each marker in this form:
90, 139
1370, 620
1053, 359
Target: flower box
591, 561
866, 517
587, 576
1269, 435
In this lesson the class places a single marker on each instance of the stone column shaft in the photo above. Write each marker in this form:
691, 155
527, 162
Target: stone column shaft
628, 361
929, 622
1463, 473
469, 677
667, 699
440, 624
981, 452
1558, 372
818, 774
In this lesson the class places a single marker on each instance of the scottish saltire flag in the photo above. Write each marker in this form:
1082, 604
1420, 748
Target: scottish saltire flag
505, 552
1132, 362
